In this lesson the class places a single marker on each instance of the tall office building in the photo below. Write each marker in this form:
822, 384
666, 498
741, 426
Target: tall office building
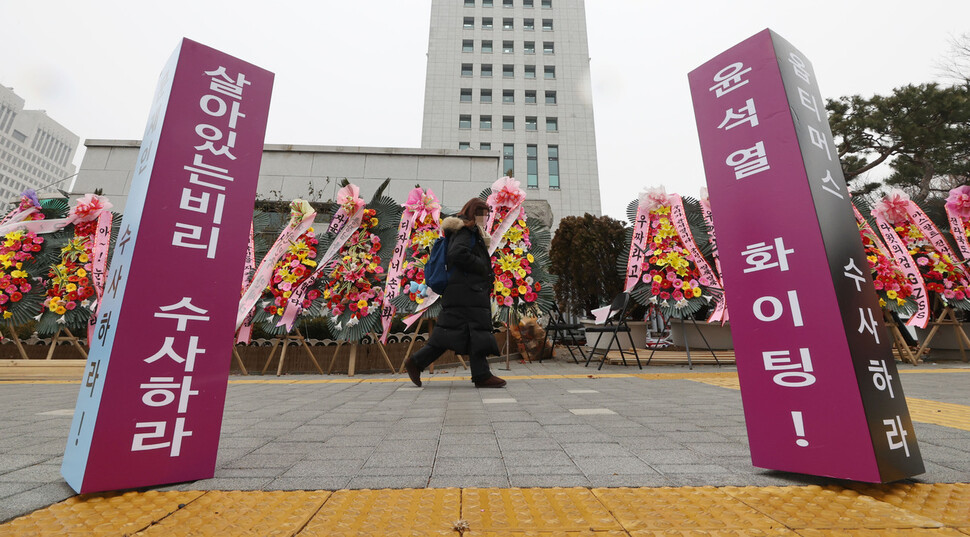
513, 76
35, 151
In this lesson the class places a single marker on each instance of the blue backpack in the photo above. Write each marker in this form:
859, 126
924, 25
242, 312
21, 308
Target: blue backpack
436, 271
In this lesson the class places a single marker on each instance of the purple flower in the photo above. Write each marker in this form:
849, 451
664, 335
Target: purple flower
31, 195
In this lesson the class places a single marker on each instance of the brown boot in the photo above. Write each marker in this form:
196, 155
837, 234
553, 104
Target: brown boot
413, 371
491, 382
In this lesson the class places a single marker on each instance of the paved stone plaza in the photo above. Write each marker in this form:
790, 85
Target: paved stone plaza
555, 425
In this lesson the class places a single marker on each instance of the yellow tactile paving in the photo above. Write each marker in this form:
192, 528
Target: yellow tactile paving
827, 508
883, 532
723, 382
935, 412
555, 533
388, 512
683, 508
236, 513
750, 532
534, 509
947, 502
99, 514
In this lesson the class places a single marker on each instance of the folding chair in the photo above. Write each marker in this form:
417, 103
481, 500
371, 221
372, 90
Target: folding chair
615, 323
563, 333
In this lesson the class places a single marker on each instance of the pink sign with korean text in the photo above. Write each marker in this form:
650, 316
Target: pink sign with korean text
150, 406
819, 385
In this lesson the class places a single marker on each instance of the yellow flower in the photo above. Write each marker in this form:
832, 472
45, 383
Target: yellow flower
498, 286
59, 311
83, 258
518, 251
658, 278
882, 303
697, 291
362, 303
530, 258
7, 315
506, 292
71, 288
523, 289
326, 294
891, 294
286, 294
521, 273
900, 302
82, 273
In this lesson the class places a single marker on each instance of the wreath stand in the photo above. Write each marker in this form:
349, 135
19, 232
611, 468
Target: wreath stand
947, 318
508, 339
683, 328
16, 340
899, 342
239, 361
411, 346
294, 336
54, 340
352, 362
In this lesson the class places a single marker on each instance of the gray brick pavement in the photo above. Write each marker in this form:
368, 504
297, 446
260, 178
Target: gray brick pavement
450, 434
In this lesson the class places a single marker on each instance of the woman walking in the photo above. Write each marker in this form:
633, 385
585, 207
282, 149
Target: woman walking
465, 323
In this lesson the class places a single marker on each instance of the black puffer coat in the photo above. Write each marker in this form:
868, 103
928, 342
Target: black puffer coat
465, 322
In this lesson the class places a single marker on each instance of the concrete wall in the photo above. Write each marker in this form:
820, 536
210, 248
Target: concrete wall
312, 172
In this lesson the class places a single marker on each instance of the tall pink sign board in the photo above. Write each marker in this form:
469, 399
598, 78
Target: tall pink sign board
819, 384
150, 406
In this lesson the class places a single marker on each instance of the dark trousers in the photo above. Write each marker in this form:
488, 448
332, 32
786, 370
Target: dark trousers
429, 353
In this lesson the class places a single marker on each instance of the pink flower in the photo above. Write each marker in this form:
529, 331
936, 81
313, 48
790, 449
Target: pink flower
958, 202
89, 207
654, 198
894, 207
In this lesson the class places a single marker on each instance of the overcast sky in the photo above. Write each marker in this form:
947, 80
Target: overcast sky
93, 66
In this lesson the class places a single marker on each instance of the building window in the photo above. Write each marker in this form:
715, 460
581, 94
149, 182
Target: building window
532, 166
467, 45
547, 25
550, 71
530, 97
486, 23
529, 47
531, 124
486, 46
507, 3
466, 95
508, 71
469, 3
463, 146
486, 70
508, 156
547, 4
554, 167
507, 23
508, 96
486, 3
19, 136
468, 23
486, 96
550, 97
530, 71
552, 124
508, 123
466, 69
548, 47
485, 146
485, 123
508, 47
529, 24
528, 3
464, 121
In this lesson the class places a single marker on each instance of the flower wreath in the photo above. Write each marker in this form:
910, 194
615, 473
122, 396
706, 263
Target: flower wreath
354, 289
941, 273
521, 259
70, 298
25, 259
894, 290
424, 233
958, 211
670, 276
